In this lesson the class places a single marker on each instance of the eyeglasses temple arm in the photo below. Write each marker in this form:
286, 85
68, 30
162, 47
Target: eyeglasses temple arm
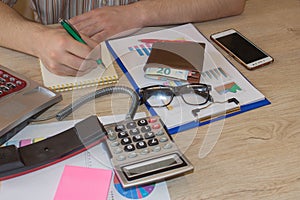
195, 111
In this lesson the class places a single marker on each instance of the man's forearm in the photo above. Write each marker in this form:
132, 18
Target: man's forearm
160, 12
18, 33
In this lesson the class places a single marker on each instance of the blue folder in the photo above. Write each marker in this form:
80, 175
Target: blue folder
192, 124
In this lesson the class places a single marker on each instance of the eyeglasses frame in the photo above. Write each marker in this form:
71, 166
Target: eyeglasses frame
176, 92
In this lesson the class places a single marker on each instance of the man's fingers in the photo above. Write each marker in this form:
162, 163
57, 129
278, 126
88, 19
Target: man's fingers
90, 42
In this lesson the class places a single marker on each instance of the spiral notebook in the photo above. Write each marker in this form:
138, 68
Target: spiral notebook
102, 75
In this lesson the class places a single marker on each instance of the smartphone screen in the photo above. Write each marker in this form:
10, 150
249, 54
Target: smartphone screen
242, 49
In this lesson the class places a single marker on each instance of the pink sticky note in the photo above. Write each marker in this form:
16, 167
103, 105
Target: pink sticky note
79, 183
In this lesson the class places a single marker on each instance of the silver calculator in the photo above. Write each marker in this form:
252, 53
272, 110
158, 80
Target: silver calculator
21, 99
143, 152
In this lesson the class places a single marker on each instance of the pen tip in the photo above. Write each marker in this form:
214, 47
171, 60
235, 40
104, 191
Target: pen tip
99, 61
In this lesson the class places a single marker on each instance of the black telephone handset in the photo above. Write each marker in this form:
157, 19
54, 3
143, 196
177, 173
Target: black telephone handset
18, 161
141, 150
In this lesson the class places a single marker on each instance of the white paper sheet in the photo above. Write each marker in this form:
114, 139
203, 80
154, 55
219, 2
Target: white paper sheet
226, 81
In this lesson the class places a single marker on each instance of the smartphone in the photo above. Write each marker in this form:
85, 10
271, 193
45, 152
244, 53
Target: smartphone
241, 48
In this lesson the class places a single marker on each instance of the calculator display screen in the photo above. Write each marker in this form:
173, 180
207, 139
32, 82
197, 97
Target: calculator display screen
153, 166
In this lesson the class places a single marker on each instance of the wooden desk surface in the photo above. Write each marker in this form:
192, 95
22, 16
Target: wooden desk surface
257, 154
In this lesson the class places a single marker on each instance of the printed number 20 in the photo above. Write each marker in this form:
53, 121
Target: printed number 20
165, 71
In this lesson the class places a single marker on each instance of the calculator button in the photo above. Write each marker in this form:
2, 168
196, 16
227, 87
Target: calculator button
129, 147
149, 135
168, 146
118, 150
142, 122
123, 134
163, 139
157, 148
121, 158
120, 128
2, 80
141, 145
153, 142
131, 125
152, 120
111, 135
134, 131
125, 141
137, 138
159, 133
145, 151
114, 144
132, 155
4, 88
5, 76
10, 85
12, 79
145, 129
156, 126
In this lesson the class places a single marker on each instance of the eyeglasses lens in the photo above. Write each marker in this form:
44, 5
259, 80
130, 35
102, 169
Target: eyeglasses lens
159, 97
195, 95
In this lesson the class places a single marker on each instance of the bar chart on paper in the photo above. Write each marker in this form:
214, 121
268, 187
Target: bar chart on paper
215, 76
141, 49
221, 80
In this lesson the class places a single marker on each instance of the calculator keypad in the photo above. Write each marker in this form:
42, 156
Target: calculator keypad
10, 83
137, 139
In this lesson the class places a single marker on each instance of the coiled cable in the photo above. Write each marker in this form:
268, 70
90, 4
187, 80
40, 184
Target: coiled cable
98, 93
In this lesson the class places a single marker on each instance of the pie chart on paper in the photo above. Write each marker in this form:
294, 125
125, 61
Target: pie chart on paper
137, 192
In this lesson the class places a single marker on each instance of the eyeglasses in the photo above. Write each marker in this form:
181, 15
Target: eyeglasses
161, 96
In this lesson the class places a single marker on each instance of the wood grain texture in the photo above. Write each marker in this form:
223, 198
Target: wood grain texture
257, 154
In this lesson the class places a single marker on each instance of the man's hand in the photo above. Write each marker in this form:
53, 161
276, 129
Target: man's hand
63, 55
107, 22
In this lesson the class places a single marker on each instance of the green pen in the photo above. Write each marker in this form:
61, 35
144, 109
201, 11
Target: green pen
74, 33
71, 30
